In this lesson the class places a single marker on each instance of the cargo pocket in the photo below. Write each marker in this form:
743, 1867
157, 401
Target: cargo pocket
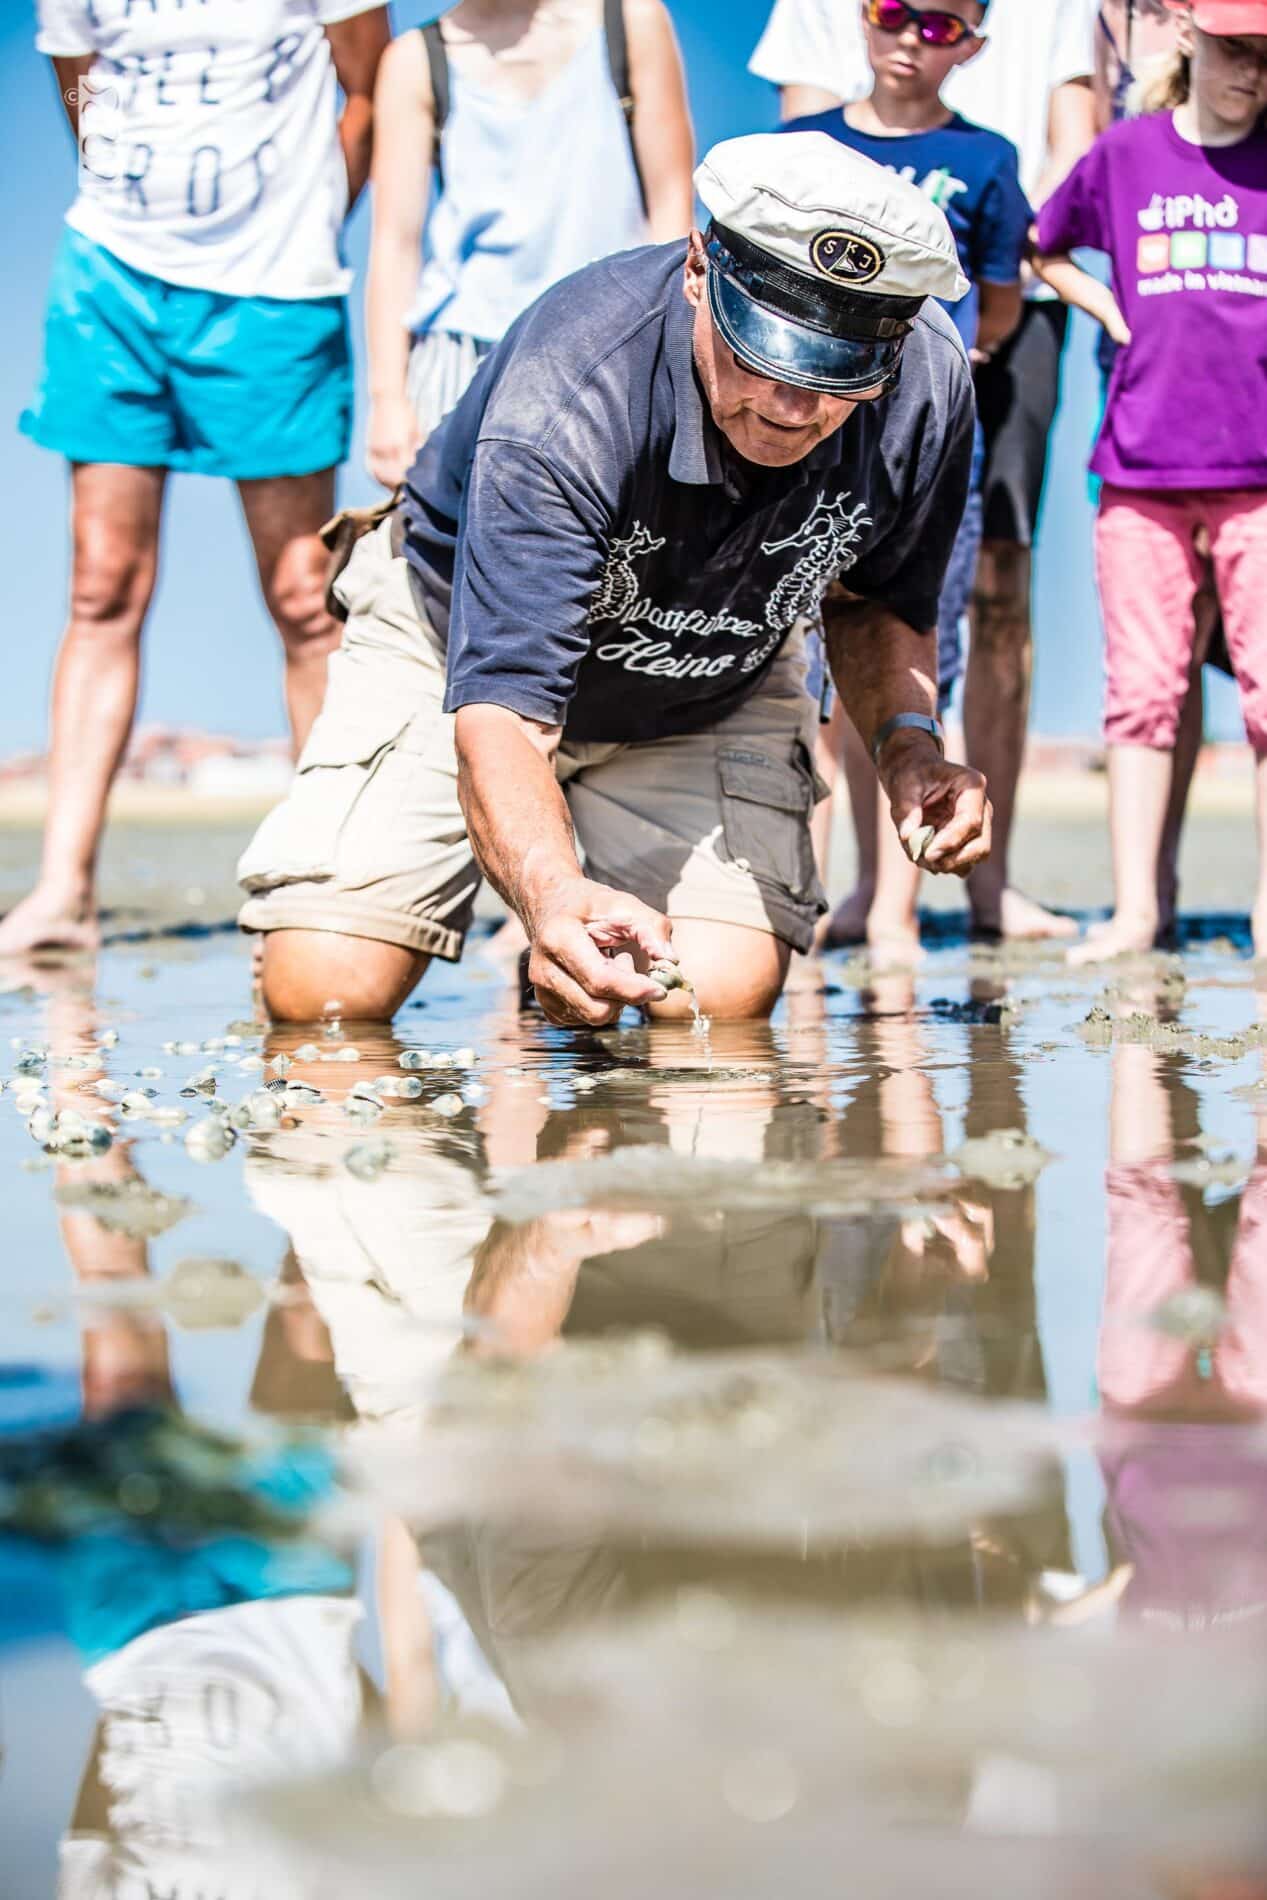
766, 803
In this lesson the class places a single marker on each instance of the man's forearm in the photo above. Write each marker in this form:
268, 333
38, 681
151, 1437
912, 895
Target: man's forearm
882, 667
356, 47
879, 664
516, 816
356, 136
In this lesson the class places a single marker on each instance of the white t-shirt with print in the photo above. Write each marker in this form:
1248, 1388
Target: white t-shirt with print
209, 150
1032, 46
252, 1693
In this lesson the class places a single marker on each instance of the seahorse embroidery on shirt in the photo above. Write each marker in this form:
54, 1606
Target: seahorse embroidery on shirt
830, 534
618, 589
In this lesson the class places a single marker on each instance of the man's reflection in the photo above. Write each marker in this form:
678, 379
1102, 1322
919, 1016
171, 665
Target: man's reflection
411, 1268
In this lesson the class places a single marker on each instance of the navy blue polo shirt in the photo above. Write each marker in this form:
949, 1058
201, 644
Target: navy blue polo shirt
596, 555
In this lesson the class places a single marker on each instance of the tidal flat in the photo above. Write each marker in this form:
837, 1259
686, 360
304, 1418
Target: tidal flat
476, 1457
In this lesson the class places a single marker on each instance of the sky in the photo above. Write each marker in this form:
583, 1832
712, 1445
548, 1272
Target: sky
212, 658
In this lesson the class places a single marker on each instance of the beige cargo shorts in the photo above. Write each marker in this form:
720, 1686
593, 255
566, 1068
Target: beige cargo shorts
370, 840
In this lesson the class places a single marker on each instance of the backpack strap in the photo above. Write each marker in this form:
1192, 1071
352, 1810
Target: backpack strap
618, 62
438, 66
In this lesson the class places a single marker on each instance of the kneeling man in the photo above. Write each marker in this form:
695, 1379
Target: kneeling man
583, 627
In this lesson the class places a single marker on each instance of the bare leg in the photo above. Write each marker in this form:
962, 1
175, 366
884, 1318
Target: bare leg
1187, 751
508, 942
848, 922
303, 970
1187, 742
995, 713
1260, 894
283, 517
893, 922
115, 516
827, 763
1140, 782
738, 973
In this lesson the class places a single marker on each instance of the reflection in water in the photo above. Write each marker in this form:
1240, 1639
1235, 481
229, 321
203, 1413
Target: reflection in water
1183, 1377
650, 1466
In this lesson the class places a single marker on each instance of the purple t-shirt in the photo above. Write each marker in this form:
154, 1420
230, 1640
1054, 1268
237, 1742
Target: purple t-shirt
1186, 228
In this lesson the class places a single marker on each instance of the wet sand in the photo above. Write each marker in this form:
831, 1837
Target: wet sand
168, 860
479, 1458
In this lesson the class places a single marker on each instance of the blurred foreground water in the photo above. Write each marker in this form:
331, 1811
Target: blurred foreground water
483, 1459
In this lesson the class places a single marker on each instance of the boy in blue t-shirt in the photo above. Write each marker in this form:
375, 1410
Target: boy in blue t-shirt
972, 175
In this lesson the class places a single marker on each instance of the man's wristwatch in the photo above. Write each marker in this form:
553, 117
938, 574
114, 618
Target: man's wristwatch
907, 722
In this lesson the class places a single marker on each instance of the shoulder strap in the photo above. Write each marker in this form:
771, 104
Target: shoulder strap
438, 65
618, 54
618, 62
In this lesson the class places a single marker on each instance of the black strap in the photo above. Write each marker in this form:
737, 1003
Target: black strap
438, 65
618, 63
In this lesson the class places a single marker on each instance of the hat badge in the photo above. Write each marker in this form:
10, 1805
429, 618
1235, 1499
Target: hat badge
846, 258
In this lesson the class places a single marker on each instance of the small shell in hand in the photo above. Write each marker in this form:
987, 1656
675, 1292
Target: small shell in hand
919, 841
670, 976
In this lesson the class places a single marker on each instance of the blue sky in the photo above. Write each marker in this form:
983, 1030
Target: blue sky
212, 659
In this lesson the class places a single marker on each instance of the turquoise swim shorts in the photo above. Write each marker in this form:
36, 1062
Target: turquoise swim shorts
157, 375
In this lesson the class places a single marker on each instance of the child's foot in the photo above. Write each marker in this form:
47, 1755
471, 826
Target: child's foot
49, 920
893, 944
847, 924
1018, 919
1121, 936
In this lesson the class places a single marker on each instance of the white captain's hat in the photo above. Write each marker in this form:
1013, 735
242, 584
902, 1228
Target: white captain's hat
819, 260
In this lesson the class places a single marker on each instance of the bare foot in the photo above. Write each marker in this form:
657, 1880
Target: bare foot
1020, 920
506, 943
49, 922
893, 946
805, 977
847, 924
1122, 935
1106, 926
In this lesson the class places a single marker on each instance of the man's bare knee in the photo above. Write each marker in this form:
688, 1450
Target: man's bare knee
305, 972
110, 584
738, 972
1001, 597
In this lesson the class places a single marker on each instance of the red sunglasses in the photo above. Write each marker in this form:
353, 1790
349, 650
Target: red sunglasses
934, 27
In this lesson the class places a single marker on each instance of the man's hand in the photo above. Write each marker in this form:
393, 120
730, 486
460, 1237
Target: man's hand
589, 947
926, 790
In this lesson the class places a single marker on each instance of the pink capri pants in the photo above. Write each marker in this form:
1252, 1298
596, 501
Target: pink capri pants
1149, 572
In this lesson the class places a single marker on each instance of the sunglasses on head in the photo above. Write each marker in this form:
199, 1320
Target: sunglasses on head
934, 27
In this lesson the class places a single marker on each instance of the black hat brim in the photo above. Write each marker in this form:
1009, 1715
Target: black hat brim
774, 346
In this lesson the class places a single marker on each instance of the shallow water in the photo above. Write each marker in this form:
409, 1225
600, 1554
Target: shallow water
833, 1456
